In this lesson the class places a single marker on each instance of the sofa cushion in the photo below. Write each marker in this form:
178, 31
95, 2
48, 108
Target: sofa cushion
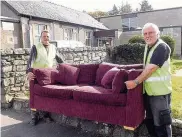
87, 73
103, 68
108, 77
97, 94
46, 76
133, 66
68, 74
56, 91
118, 84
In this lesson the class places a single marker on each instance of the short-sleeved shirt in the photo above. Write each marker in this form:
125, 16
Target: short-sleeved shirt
160, 54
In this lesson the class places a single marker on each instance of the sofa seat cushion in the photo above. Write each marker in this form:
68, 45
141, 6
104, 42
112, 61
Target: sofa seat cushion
97, 94
57, 91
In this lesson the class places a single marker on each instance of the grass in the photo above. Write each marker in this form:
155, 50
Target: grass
176, 104
177, 97
176, 64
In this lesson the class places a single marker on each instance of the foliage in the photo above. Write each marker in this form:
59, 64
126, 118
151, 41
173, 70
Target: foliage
170, 41
97, 14
127, 53
136, 39
114, 10
125, 8
145, 6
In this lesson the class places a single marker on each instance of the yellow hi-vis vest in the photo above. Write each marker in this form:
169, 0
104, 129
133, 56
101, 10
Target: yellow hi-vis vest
159, 83
44, 59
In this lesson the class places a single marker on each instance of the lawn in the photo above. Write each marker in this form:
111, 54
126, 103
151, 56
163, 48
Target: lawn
176, 64
177, 97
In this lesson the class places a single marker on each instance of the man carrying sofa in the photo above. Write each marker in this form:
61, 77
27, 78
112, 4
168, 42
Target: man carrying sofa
42, 56
157, 83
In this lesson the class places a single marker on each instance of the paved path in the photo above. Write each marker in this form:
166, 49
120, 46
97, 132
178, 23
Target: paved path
15, 124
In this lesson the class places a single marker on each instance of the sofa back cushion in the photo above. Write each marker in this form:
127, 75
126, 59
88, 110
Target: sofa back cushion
118, 85
107, 79
133, 66
46, 76
68, 74
87, 73
103, 68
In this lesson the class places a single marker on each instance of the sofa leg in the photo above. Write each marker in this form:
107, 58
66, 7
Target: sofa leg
129, 128
33, 109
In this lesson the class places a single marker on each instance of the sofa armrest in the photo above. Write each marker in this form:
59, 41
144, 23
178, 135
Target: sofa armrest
135, 95
31, 88
134, 104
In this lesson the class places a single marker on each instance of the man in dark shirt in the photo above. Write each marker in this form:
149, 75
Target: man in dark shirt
35, 61
157, 83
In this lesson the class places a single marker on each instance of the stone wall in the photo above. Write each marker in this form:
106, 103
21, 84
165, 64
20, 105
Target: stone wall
14, 62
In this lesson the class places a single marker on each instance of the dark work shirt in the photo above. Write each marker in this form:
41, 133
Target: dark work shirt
33, 55
160, 54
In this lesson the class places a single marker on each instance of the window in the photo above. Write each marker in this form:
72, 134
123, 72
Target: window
129, 24
88, 38
70, 34
7, 26
38, 28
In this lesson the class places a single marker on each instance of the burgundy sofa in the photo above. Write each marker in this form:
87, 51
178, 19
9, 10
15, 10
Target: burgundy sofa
80, 91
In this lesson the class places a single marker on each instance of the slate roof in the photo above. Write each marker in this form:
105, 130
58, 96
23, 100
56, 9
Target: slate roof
48, 10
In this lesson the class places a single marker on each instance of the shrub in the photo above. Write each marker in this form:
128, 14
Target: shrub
136, 39
127, 53
170, 41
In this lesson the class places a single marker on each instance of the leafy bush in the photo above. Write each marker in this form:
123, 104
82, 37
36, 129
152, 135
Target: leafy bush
127, 53
136, 39
170, 41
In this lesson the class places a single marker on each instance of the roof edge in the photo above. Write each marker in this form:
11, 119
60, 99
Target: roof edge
11, 8
34, 17
139, 12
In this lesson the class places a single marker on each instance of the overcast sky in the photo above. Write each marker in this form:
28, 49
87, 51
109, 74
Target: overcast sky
106, 5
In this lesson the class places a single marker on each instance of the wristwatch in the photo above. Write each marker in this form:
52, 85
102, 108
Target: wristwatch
136, 82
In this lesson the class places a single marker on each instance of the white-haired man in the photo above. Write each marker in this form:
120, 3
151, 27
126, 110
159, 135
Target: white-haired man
157, 83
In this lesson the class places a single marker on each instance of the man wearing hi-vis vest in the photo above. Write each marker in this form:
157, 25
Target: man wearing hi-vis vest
157, 83
42, 56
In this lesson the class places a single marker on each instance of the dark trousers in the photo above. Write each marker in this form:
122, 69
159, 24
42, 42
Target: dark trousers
158, 115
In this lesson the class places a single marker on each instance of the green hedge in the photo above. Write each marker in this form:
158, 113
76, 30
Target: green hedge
170, 41
136, 39
127, 53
